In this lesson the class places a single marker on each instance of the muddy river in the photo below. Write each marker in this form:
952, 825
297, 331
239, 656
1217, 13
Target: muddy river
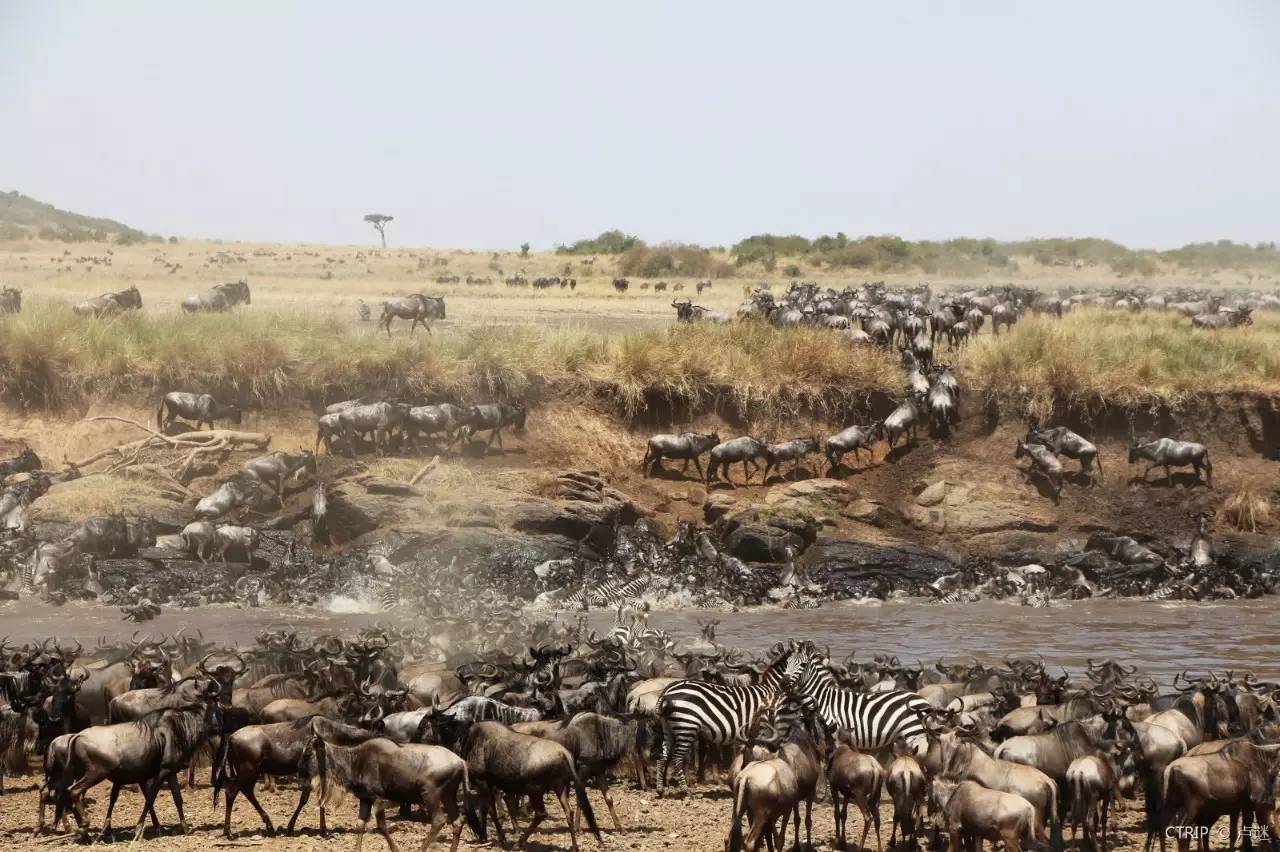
1160, 638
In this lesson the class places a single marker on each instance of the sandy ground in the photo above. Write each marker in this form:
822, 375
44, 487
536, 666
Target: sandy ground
700, 823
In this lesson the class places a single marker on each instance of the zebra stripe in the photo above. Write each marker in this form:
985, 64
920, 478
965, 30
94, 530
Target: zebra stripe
609, 593
873, 720
693, 709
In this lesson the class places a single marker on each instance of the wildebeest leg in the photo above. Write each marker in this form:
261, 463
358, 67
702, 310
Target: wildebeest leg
381, 815
745, 473
539, 814
257, 806
304, 793
1148, 472
602, 781
111, 806
366, 808
152, 787
698, 466
176, 792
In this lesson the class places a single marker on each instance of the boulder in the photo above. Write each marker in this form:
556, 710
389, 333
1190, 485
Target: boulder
976, 506
847, 568
816, 497
716, 506
762, 534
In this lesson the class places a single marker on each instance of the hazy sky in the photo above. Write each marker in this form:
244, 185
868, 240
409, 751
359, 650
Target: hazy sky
486, 124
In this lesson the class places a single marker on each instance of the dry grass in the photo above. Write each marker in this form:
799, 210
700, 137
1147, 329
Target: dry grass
1122, 359
51, 358
1247, 510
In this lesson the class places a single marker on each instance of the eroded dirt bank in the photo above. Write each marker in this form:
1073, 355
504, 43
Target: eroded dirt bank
891, 524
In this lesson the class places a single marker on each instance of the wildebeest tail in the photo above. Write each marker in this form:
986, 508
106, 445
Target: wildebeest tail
469, 806
1054, 818
584, 804
160, 414
70, 770
736, 842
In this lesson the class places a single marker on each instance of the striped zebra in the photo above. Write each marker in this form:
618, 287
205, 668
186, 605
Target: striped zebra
693, 709
609, 594
873, 720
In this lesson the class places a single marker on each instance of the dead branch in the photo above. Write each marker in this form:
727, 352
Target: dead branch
424, 470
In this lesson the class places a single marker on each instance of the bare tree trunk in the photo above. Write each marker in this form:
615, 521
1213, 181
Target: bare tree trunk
382, 232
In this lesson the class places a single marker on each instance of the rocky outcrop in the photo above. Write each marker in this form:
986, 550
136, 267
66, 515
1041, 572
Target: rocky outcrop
846, 568
765, 534
976, 506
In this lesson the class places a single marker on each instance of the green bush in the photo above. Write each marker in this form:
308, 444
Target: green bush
609, 242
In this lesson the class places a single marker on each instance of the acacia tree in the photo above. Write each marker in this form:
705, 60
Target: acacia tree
379, 222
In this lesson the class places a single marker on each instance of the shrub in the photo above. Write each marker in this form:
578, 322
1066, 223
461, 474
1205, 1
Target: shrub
609, 242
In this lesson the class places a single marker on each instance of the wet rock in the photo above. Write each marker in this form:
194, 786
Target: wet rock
760, 534
977, 506
847, 568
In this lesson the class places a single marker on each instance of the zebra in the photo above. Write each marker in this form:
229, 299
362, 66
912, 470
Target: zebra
610, 593
690, 710
873, 720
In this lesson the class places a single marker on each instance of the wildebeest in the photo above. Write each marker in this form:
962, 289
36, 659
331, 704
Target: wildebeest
11, 300
219, 297
687, 311
621, 284
1005, 315
1052, 751
241, 491
1239, 779
378, 770
378, 418
493, 419
907, 787
503, 761
1168, 453
1092, 781
853, 439
688, 446
1062, 440
432, 421
24, 462
242, 539
745, 449
113, 536
110, 303
274, 750
792, 451
1044, 462
1230, 319
968, 811
200, 407
857, 777
150, 752
967, 762
942, 408
418, 308
273, 469
904, 420
328, 428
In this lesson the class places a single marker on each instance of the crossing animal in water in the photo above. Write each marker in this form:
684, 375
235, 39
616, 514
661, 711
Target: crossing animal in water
611, 593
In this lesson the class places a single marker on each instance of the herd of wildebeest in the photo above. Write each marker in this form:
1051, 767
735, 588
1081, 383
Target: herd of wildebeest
915, 319
1009, 752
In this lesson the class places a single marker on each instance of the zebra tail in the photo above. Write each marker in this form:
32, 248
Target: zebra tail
736, 842
584, 804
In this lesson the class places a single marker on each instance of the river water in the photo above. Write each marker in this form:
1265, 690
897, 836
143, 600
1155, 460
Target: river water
1160, 638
